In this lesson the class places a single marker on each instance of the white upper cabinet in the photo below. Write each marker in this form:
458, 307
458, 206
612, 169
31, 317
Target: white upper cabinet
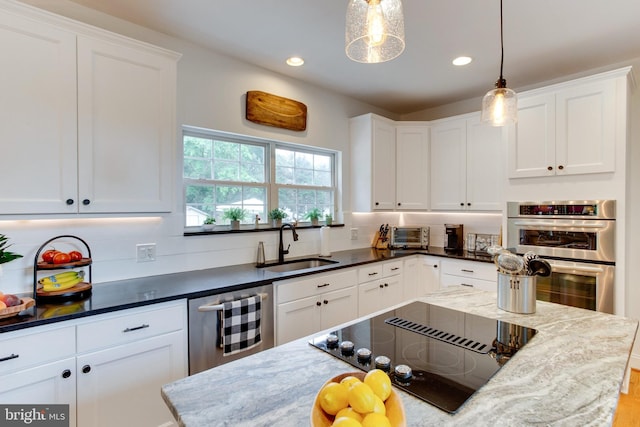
467, 170
412, 171
389, 164
568, 129
89, 118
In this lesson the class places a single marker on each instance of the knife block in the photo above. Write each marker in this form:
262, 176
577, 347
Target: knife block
380, 242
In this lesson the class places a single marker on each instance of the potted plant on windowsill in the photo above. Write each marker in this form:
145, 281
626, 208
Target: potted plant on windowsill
276, 216
235, 215
314, 215
209, 223
328, 219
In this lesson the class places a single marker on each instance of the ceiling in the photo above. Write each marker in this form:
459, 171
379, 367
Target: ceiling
544, 40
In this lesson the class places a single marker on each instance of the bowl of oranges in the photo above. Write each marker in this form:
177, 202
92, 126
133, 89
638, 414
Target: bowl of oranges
358, 399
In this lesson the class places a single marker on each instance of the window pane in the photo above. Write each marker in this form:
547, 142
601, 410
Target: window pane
228, 196
321, 162
197, 147
284, 157
304, 160
251, 172
252, 154
324, 197
197, 168
322, 179
226, 171
284, 175
304, 177
226, 150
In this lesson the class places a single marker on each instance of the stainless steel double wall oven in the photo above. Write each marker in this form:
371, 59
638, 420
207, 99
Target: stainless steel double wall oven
578, 239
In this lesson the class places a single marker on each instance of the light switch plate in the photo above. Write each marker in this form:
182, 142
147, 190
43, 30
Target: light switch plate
146, 252
354, 234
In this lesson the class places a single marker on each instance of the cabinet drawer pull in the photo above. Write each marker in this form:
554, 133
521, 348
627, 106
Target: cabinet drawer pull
324, 285
135, 328
395, 268
373, 274
13, 356
466, 271
467, 285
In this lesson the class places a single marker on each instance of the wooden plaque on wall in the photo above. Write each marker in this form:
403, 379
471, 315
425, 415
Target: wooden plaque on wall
272, 110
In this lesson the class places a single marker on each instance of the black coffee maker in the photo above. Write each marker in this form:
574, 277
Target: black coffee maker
453, 237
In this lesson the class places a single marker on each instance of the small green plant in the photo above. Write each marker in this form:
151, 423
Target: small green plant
328, 219
277, 214
314, 214
209, 220
5, 255
234, 214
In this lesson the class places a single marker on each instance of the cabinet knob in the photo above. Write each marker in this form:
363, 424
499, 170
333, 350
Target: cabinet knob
86, 369
399, 204
325, 301
381, 286
468, 204
435, 265
69, 202
461, 203
386, 285
318, 303
377, 203
86, 202
66, 373
560, 167
549, 168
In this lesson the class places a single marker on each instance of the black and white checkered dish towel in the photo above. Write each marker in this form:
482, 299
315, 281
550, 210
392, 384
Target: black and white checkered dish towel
240, 325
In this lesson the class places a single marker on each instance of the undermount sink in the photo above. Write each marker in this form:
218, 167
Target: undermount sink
298, 264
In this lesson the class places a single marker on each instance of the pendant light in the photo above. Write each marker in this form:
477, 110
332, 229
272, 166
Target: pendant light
500, 105
374, 31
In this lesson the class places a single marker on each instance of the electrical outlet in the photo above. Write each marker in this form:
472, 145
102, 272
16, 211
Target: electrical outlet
354, 234
146, 252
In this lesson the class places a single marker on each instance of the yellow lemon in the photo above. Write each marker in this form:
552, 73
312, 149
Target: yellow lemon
333, 397
349, 413
350, 380
346, 422
379, 407
361, 398
376, 420
379, 382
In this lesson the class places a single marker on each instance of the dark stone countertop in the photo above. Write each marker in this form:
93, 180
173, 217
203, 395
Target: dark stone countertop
123, 294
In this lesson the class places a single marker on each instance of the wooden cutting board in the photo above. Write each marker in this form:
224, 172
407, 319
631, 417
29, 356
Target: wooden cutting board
272, 110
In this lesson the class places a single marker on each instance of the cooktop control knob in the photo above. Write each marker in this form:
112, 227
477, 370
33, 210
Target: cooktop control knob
332, 341
383, 362
364, 355
346, 347
403, 372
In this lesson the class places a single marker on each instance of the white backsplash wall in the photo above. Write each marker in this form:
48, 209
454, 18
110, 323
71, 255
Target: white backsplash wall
486, 223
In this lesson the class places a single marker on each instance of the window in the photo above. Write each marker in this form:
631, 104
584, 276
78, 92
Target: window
222, 171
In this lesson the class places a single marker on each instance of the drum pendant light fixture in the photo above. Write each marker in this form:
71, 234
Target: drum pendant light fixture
374, 31
500, 105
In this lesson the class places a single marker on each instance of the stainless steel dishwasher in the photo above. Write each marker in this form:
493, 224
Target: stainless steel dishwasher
204, 328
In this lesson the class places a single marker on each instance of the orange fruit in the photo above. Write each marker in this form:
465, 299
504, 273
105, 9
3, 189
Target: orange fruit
379, 382
361, 398
376, 420
333, 397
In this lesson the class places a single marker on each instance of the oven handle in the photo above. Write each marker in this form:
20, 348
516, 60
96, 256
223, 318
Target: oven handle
217, 307
559, 224
563, 269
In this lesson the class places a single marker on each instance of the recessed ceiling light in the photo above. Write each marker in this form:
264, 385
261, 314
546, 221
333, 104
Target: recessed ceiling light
461, 60
295, 61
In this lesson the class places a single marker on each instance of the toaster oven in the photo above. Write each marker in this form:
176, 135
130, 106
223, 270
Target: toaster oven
409, 238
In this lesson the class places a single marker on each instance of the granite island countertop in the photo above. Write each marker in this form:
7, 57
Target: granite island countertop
130, 293
569, 374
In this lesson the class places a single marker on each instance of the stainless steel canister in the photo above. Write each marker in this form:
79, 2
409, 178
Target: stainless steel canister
517, 293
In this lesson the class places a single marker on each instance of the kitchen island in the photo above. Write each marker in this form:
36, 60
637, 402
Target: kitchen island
569, 374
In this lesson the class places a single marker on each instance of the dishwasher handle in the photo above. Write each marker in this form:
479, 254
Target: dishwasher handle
217, 306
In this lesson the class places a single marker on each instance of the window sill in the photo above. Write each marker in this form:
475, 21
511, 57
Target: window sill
224, 229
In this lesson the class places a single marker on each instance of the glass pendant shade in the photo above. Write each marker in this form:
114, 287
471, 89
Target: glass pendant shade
374, 31
500, 107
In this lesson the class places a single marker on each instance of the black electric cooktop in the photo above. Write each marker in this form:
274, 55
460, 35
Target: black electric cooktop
439, 355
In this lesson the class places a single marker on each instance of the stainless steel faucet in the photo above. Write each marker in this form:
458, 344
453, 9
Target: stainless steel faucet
281, 251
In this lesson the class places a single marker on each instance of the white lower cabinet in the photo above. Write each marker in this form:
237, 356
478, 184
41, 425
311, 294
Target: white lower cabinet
380, 286
306, 306
108, 368
476, 274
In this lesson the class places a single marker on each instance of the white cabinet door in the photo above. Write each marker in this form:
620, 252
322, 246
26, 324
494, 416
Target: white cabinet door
38, 112
430, 277
532, 140
51, 383
126, 113
297, 319
412, 167
448, 165
383, 176
121, 385
338, 307
485, 166
379, 294
586, 128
